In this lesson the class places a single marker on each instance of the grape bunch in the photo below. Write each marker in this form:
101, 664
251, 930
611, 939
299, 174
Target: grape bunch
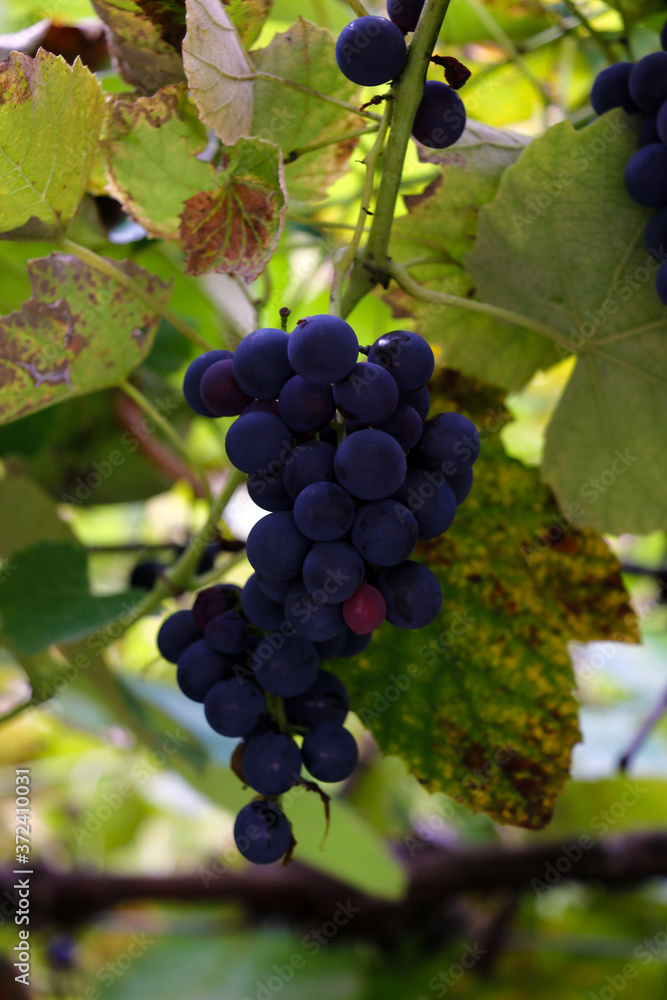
342, 455
641, 88
371, 51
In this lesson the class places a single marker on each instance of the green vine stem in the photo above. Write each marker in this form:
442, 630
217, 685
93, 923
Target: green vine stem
596, 35
358, 8
258, 75
294, 154
108, 268
407, 93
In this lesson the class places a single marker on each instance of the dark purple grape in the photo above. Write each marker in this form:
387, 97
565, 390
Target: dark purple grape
199, 668
354, 644
323, 349
419, 399
461, 486
193, 376
269, 492
646, 174
648, 82
331, 648
325, 701
259, 609
449, 443
368, 393
262, 833
440, 119
324, 512
305, 406
220, 392
370, 465
146, 574
370, 51
258, 443
234, 707
261, 366
215, 601
333, 571
311, 462
384, 533
330, 752
276, 548
405, 13
285, 667
310, 618
228, 633
406, 356
412, 593
177, 632
611, 89
430, 499
277, 590
405, 426
271, 763
648, 133
661, 283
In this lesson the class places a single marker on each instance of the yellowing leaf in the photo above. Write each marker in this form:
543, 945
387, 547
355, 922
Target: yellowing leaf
146, 38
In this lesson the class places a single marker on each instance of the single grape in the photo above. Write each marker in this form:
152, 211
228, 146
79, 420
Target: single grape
384, 533
305, 406
310, 618
220, 392
215, 601
323, 349
193, 376
365, 610
405, 426
406, 356
461, 486
370, 465
354, 644
440, 119
419, 399
331, 648
287, 669
261, 366
648, 132
276, 548
259, 609
311, 462
330, 752
258, 443
199, 668
146, 574
61, 952
262, 833
269, 492
412, 593
234, 707
324, 512
648, 82
177, 632
371, 51
333, 571
646, 174
277, 590
661, 283
325, 701
207, 558
405, 13
368, 393
611, 89
430, 499
449, 443
271, 763
228, 632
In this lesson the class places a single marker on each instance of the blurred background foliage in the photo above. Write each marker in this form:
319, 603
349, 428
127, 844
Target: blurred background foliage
176, 816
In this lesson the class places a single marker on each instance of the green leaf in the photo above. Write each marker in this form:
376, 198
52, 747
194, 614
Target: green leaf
479, 704
248, 17
50, 119
80, 332
46, 599
146, 38
218, 70
26, 515
304, 54
574, 238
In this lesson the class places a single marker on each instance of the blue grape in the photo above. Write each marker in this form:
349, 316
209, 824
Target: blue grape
258, 442
333, 571
648, 132
177, 632
646, 174
235, 708
330, 752
406, 356
405, 426
405, 13
440, 119
288, 669
259, 609
384, 532
449, 443
431, 500
461, 486
305, 406
323, 349
331, 648
648, 82
199, 668
324, 512
261, 365
370, 465
371, 51
145, 574
611, 89
412, 593
661, 283
228, 633
220, 392
354, 644
61, 952
312, 619
193, 376
368, 393
215, 601
271, 763
325, 701
269, 492
419, 399
311, 462
276, 548
262, 833
277, 590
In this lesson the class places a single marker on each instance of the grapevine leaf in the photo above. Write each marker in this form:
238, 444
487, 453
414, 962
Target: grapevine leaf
479, 704
79, 332
26, 515
47, 599
50, 119
218, 70
304, 54
145, 39
578, 264
248, 17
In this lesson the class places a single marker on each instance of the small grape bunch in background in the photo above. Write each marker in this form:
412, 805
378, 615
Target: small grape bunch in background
371, 51
342, 455
641, 88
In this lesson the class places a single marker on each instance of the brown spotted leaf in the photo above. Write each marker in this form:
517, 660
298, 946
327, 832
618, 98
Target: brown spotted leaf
145, 38
233, 228
80, 332
479, 704
50, 120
